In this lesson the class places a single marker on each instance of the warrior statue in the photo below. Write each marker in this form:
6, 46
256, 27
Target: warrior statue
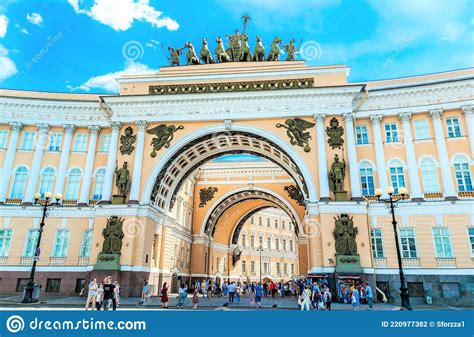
220, 53
337, 174
113, 236
245, 54
259, 51
290, 50
122, 179
345, 234
191, 57
175, 54
234, 42
205, 54
274, 54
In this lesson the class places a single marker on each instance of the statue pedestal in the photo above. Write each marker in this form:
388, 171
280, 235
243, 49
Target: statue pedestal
340, 196
118, 199
348, 264
107, 262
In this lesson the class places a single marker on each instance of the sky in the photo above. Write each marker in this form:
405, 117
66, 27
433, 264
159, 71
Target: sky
82, 46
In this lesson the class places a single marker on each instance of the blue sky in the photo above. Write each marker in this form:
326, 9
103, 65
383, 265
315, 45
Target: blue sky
83, 45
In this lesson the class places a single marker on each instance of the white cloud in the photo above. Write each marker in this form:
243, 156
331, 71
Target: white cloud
7, 66
34, 18
121, 14
22, 30
3, 25
108, 82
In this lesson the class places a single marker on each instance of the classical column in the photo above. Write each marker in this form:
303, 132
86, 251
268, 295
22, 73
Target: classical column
412, 162
111, 159
64, 160
9, 159
322, 158
443, 158
137, 163
379, 153
467, 110
36, 165
87, 177
356, 193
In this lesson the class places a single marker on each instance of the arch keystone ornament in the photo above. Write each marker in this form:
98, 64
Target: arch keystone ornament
206, 195
164, 136
295, 129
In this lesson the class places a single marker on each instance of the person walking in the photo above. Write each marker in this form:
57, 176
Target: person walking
252, 295
195, 298
91, 294
109, 294
145, 290
369, 295
231, 292
224, 288
164, 296
258, 294
328, 298
99, 297
237, 293
306, 299
182, 294
355, 299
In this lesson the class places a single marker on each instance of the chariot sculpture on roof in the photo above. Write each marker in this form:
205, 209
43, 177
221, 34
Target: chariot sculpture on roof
234, 48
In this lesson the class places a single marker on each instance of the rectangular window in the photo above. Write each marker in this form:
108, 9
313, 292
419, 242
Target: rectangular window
61, 243
292, 269
80, 145
284, 245
454, 128
260, 241
361, 134
442, 241
471, 239
244, 266
55, 142
377, 244
269, 243
104, 143
265, 267
53, 285
252, 241
5, 241
28, 142
276, 223
367, 181
421, 129
260, 221
252, 221
391, 133
80, 283
252, 267
30, 243
3, 139
283, 224
463, 177
397, 177
285, 268
415, 289
244, 239
408, 243
291, 245
277, 244
268, 222
278, 268
86, 243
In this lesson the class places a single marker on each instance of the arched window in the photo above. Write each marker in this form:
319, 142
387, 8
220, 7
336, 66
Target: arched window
99, 183
367, 178
74, 181
396, 175
19, 183
430, 178
463, 174
47, 180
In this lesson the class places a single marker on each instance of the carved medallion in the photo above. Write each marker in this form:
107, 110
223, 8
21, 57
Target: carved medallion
206, 195
335, 133
127, 141
295, 194
295, 129
164, 136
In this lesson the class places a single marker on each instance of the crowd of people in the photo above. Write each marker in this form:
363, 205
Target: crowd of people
104, 295
310, 294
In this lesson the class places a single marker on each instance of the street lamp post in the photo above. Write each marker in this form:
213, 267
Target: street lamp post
260, 249
30, 285
404, 296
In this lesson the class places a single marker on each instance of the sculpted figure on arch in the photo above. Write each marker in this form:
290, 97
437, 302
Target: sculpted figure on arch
337, 174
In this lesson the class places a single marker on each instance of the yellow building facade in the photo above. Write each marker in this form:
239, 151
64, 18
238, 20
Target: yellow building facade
185, 212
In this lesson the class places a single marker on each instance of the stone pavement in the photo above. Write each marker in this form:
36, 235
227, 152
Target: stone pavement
215, 303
